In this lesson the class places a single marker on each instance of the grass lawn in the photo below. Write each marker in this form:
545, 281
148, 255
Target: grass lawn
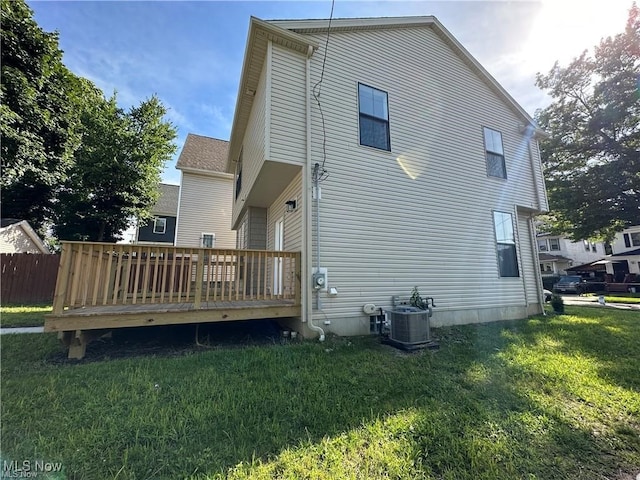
544, 398
23, 316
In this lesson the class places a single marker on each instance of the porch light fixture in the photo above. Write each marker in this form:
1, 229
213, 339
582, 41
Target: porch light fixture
291, 205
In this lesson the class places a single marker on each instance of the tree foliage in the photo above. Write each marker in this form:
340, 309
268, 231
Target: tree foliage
116, 170
37, 122
592, 158
72, 158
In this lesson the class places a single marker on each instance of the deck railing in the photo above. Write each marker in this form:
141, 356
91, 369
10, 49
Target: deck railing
99, 274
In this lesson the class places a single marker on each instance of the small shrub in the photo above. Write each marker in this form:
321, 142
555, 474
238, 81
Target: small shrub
557, 303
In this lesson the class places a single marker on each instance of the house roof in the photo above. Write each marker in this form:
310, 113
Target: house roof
547, 257
289, 33
12, 223
202, 153
628, 253
167, 203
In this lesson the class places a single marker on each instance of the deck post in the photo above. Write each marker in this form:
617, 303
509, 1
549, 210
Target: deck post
63, 279
199, 279
298, 279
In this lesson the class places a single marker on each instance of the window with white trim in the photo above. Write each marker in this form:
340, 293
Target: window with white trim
159, 225
505, 244
635, 239
554, 244
374, 117
208, 240
494, 151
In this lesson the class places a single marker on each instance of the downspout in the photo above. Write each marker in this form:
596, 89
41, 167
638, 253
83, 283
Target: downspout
307, 232
536, 259
532, 226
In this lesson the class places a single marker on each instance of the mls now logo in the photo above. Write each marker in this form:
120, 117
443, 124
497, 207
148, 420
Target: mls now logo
28, 468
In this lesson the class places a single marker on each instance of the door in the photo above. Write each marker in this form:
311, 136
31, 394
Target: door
278, 245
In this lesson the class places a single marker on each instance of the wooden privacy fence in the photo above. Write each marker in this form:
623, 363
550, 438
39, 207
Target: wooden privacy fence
28, 278
101, 274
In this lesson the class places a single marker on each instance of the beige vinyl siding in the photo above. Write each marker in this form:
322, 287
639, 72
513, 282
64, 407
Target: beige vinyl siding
382, 231
539, 176
254, 144
288, 120
205, 207
292, 220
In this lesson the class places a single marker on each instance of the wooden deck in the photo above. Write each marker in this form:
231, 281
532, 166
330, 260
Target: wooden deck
104, 286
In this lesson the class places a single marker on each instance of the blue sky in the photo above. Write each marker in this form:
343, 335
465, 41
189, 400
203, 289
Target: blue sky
190, 53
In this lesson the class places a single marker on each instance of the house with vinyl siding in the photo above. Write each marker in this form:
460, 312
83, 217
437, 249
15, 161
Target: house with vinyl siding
390, 158
160, 229
205, 196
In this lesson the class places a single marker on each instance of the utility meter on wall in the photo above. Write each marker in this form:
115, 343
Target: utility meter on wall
319, 280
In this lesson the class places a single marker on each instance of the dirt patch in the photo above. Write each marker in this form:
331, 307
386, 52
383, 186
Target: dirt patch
176, 340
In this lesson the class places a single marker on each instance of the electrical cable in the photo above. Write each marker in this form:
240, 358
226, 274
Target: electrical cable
317, 89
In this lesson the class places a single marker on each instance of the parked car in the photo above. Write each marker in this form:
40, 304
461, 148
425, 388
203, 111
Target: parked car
547, 295
570, 284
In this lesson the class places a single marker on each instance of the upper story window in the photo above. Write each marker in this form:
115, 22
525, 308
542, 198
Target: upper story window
374, 117
542, 245
631, 239
159, 225
208, 240
593, 247
496, 166
549, 244
586, 245
506, 245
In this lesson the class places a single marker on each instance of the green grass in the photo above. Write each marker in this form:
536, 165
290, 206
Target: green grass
23, 316
544, 398
621, 299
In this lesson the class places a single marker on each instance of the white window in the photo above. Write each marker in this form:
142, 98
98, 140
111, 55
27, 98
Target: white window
208, 240
374, 117
495, 153
635, 239
159, 225
542, 245
554, 244
506, 245
586, 245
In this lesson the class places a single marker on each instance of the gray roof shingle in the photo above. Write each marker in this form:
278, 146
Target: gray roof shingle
167, 204
203, 153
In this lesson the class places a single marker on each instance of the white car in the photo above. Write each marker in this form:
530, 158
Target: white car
547, 295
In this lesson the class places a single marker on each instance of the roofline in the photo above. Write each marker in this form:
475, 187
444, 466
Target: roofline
209, 173
31, 233
292, 30
347, 24
244, 99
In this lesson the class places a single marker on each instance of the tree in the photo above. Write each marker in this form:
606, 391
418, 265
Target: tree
592, 157
116, 170
37, 122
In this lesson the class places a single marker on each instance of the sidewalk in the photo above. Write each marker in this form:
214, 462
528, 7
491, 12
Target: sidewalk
8, 331
592, 301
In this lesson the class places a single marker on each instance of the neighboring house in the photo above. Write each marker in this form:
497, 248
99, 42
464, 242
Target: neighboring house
17, 236
429, 173
206, 192
161, 229
626, 254
557, 253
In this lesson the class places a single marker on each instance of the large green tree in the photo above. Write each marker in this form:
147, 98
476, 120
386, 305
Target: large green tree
37, 121
70, 157
116, 170
592, 157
